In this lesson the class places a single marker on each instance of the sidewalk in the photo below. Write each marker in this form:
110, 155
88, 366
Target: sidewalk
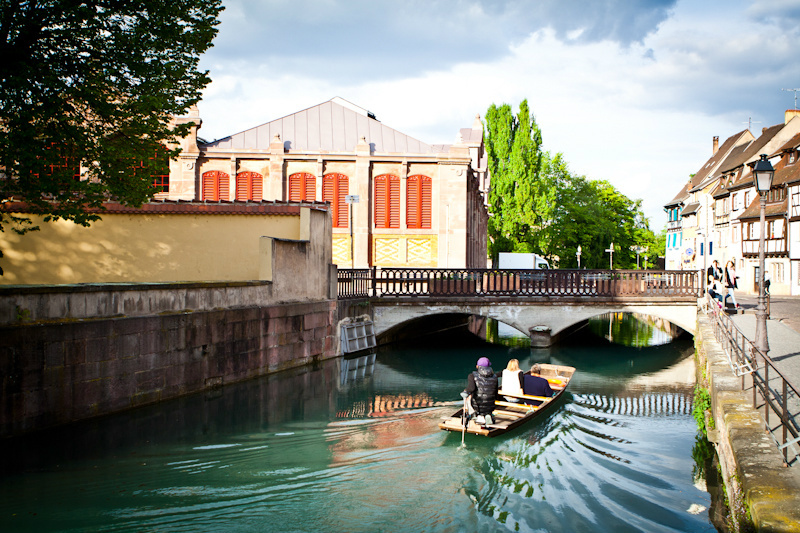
783, 331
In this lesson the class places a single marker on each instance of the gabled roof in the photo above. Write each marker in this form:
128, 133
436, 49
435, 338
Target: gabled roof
690, 209
788, 174
680, 197
333, 126
754, 209
791, 144
750, 150
713, 163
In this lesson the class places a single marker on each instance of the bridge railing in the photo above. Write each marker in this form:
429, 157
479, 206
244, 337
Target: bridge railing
773, 394
387, 282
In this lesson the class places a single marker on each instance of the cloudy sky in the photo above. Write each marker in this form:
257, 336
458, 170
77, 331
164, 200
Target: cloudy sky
630, 91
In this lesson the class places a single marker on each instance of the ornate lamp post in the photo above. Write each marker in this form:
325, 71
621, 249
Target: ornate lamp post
762, 176
578, 255
610, 251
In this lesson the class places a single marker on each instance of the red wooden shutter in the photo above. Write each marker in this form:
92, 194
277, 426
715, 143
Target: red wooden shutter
215, 186
380, 201
343, 183
387, 201
425, 203
249, 186
302, 187
418, 202
334, 190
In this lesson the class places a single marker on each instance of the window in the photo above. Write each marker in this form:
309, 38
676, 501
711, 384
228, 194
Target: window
159, 170
60, 162
302, 187
387, 201
249, 186
334, 190
215, 186
418, 202
747, 199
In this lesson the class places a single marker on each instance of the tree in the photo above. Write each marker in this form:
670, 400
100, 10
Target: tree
519, 195
87, 91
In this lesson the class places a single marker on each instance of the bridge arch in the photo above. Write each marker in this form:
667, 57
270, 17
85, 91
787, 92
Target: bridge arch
553, 317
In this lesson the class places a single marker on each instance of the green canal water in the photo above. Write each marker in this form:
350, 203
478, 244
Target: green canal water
353, 446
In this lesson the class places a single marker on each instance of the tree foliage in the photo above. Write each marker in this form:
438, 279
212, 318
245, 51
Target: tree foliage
91, 87
519, 196
537, 205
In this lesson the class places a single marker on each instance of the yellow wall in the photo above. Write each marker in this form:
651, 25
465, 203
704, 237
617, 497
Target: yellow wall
123, 248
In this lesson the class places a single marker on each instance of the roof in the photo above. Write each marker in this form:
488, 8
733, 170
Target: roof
680, 197
690, 209
183, 207
333, 126
715, 160
787, 174
791, 144
772, 210
750, 150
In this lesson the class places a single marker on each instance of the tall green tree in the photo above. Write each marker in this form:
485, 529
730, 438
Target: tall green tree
519, 198
94, 84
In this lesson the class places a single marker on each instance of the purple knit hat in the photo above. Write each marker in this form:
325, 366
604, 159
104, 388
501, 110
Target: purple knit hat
483, 361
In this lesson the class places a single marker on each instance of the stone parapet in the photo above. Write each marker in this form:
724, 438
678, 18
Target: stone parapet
751, 464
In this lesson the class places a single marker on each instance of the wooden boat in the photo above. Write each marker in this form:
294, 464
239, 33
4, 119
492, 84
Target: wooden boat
509, 415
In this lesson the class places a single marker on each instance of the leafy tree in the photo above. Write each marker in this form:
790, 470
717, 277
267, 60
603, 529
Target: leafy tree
520, 196
89, 88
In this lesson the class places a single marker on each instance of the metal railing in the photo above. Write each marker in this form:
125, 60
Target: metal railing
385, 282
773, 394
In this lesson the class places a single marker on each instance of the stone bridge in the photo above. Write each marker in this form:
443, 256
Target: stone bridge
544, 303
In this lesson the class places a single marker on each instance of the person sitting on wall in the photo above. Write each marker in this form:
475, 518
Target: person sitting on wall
535, 385
512, 380
482, 386
714, 289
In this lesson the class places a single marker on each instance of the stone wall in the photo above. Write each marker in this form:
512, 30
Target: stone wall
53, 373
751, 464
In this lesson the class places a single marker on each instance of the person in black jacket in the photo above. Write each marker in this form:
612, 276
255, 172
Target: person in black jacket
482, 386
535, 385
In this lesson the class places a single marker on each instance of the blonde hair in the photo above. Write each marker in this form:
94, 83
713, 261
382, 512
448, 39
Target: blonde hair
513, 365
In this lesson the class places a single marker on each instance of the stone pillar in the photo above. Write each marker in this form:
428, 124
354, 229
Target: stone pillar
540, 337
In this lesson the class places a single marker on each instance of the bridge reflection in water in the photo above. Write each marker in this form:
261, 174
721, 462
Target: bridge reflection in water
354, 446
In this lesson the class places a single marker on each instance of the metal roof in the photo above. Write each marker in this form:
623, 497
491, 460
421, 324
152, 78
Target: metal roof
333, 126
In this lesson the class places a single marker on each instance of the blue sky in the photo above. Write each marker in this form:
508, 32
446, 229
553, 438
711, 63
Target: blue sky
630, 91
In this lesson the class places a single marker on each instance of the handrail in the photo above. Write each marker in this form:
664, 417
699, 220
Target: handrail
391, 282
771, 387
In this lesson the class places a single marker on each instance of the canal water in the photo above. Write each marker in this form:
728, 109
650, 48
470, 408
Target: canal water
353, 446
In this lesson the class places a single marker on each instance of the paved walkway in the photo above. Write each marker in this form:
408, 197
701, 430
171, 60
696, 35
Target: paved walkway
783, 331
783, 336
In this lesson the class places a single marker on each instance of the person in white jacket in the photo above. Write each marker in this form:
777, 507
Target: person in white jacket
512, 380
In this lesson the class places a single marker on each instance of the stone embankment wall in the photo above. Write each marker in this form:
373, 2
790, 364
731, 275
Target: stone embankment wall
173, 340
756, 481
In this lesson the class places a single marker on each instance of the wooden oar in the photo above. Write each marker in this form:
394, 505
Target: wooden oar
464, 420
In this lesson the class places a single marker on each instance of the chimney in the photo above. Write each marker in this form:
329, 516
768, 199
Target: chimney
790, 114
716, 145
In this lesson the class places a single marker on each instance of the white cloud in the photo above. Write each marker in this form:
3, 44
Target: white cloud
638, 113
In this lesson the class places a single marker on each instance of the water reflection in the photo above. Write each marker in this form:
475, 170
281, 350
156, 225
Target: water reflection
353, 445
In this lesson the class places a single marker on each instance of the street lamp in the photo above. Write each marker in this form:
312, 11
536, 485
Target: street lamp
578, 255
762, 176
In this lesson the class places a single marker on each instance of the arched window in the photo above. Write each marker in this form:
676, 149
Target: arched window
302, 187
249, 186
215, 186
387, 201
334, 190
418, 202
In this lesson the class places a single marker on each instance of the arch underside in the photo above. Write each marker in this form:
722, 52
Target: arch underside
523, 317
